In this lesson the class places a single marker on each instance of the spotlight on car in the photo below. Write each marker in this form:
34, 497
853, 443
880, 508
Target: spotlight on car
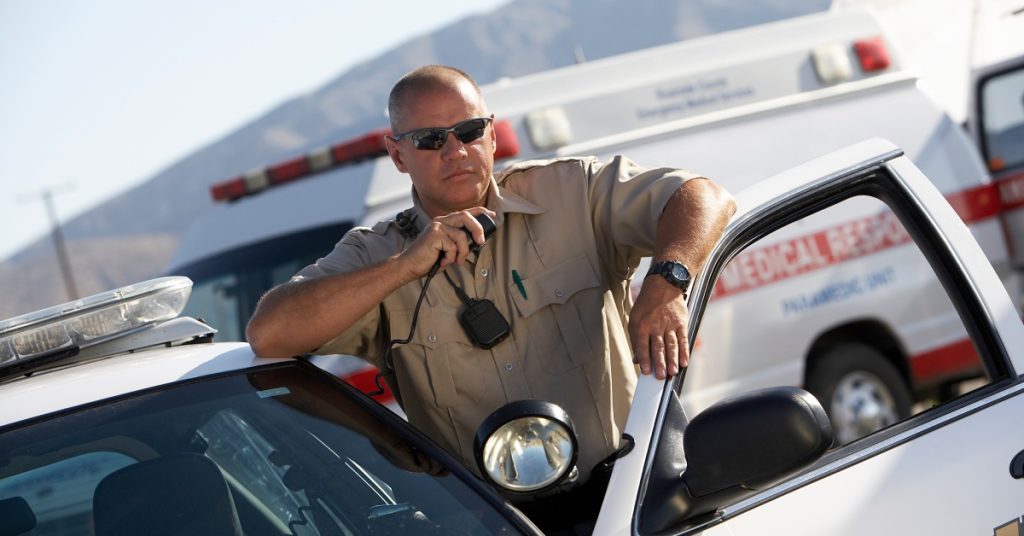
527, 447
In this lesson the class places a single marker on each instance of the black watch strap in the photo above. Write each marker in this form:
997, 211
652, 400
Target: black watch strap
675, 272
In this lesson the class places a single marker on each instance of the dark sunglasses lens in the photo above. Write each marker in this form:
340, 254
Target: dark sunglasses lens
471, 130
429, 138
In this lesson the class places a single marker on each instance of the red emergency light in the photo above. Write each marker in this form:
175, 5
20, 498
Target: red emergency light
872, 54
355, 150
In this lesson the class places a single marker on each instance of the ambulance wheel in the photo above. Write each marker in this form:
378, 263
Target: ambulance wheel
861, 391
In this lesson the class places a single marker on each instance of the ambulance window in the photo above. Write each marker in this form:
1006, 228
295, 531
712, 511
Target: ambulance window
215, 300
844, 304
1002, 115
227, 286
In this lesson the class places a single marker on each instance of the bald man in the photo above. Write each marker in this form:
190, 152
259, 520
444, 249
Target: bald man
570, 233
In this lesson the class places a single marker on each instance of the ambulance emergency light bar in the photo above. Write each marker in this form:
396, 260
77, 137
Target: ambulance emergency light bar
63, 330
832, 62
367, 146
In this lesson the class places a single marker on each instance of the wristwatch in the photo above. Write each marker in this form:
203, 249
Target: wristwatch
675, 272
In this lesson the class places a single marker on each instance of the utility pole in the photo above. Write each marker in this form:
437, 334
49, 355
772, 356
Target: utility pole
58, 243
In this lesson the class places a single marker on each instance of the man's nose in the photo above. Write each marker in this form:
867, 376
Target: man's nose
453, 147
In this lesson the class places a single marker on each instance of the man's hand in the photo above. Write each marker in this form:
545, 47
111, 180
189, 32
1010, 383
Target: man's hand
657, 329
444, 238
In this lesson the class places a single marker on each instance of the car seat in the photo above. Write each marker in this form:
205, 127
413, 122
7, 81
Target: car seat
181, 494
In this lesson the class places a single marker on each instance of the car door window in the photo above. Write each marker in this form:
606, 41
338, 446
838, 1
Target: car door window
844, 304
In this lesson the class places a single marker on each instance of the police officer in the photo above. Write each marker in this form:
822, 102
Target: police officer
570, 233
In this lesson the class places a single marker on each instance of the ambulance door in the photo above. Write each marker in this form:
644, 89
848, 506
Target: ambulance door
997, 125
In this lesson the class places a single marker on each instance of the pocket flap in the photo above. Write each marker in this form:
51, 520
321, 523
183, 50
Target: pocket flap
555, 285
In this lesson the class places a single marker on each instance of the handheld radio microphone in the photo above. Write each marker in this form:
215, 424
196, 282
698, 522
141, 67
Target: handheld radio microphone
489, 227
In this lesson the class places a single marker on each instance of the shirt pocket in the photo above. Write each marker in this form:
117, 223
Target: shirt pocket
439, 365
563, 313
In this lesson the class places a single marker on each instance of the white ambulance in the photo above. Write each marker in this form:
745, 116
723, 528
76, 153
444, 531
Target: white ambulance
876, 337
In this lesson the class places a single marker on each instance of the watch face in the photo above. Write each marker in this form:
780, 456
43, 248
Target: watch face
679, 273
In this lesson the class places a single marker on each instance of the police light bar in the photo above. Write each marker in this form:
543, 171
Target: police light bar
63, 330
365, 147
832, 61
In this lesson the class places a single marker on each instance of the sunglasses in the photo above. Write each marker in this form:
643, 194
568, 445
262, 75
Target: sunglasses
432, 139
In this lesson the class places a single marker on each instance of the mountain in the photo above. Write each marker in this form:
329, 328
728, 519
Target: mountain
131, 237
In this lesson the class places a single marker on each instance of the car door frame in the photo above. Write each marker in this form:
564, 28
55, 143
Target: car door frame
877, 168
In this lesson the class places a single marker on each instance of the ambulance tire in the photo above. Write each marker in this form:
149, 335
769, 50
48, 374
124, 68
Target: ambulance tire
861, 391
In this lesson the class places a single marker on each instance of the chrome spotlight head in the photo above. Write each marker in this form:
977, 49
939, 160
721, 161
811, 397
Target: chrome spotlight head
527, 446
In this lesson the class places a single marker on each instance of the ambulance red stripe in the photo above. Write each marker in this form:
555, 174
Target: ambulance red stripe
847, 241
952, 359
976, 204
1011, 191
791, 258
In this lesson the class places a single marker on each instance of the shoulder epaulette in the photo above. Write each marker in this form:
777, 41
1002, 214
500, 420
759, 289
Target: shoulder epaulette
527, 165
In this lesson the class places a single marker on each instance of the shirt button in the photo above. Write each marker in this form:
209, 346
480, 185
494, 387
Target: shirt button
432, 337
483, 272
508, 367
559, 293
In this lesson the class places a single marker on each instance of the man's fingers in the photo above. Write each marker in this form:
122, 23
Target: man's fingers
658, 356
452, 244
461, 242
684, 348
663, 355
672, 353
643, 354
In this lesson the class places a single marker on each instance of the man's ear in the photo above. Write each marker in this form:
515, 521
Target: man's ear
395, 154
494, 139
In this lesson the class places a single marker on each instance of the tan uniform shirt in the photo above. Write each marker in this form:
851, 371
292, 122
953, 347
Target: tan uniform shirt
574, 230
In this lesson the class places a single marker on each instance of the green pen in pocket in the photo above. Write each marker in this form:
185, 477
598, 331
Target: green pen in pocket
519, 283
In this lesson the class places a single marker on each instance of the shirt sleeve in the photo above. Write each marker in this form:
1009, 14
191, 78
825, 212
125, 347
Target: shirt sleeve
626, 202
365, 338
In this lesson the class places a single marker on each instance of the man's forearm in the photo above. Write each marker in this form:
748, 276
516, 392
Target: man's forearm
692, 222
298, 317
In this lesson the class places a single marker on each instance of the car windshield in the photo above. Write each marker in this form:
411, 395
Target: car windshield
279, 450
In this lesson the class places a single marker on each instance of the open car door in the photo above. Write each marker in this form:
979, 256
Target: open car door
768, 463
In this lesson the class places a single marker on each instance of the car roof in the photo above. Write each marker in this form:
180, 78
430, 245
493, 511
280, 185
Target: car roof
57, 389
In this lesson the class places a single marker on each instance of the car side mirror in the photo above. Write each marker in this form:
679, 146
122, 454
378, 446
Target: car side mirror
740, 446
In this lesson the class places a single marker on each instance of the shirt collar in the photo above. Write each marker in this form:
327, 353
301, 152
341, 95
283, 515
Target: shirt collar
499, 199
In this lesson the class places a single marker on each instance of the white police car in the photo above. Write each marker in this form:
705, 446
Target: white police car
118, 417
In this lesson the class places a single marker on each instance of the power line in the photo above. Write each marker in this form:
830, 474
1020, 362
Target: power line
63, 260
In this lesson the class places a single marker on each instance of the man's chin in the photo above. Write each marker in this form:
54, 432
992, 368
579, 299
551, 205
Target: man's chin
467, 200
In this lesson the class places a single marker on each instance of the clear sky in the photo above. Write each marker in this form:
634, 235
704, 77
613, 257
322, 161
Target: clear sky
96, 96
